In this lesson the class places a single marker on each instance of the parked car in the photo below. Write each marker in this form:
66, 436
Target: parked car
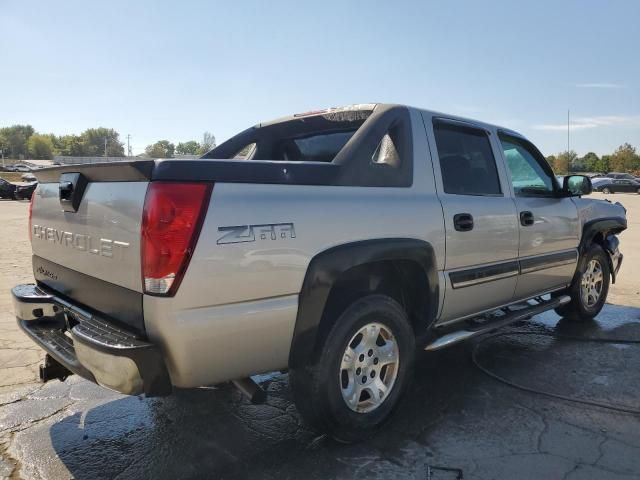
621, 176
24, 192
28, 177
21, 167
611, 185
7, 189
345, 241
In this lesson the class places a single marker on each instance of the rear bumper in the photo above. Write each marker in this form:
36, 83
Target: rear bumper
90, 346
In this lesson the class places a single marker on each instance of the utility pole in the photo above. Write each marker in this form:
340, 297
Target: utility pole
2, 153
105, 147
128, 146
568, 130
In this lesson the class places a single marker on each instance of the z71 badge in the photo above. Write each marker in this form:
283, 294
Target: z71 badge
249, 233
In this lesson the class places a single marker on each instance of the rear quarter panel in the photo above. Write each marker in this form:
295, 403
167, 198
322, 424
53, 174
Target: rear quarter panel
234, 313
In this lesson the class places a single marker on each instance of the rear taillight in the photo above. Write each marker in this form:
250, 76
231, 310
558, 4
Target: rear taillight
33, 198
171, 221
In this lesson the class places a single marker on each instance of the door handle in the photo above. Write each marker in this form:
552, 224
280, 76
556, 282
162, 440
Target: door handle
463, 222
526, 219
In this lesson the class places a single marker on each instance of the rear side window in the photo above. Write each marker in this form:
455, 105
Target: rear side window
467, 163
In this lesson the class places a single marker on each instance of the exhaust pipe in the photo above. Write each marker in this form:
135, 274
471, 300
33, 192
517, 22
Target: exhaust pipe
251, 390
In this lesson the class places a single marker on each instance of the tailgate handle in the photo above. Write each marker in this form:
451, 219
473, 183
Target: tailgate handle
66, 188
71, 188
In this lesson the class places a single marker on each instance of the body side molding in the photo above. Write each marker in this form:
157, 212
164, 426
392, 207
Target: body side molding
326, 268
548, 260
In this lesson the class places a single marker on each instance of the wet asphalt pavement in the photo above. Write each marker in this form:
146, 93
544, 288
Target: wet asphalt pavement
454, 417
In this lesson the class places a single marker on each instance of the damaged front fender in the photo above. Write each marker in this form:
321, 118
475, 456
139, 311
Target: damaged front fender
612, 247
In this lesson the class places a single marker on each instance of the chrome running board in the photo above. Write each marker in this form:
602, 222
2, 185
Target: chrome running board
508, 317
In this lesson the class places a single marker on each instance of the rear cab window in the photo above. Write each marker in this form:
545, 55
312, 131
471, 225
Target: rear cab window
359, 145
312, 137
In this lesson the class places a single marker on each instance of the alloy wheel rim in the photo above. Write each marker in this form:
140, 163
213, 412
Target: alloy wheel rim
591, 283
369, 368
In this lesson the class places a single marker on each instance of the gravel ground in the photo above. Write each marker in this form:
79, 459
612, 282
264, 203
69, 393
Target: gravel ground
454, 416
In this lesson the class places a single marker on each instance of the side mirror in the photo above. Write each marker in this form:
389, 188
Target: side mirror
576, 185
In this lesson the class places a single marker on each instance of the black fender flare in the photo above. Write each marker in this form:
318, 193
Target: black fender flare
607, 227
327, 266
600, 225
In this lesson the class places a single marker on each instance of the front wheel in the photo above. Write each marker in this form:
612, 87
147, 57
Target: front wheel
606, 191
589, 288
364, 366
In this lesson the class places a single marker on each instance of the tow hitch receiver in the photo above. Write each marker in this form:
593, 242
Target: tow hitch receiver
52, 369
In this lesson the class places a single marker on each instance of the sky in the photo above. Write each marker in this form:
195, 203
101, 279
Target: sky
157, 69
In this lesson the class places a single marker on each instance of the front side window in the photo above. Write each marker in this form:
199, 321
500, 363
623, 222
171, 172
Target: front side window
530, 175
467, 163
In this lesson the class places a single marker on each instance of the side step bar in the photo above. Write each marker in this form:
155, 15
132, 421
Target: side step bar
458, 336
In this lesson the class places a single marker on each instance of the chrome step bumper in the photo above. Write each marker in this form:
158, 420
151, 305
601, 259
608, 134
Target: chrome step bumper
90, 346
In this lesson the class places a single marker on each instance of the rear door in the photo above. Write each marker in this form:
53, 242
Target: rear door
480, 219
548, 222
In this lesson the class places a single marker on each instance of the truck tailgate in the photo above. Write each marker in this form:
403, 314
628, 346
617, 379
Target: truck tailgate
101, 239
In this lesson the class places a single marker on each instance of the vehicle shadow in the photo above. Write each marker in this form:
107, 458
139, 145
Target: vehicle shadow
451, 412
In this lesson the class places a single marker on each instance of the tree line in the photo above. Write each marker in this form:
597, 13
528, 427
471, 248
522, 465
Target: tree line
624, 159
166, 149
22, 141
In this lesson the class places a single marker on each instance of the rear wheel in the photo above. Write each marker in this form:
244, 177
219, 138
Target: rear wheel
606, 191
590, 286
638, 191
364, 366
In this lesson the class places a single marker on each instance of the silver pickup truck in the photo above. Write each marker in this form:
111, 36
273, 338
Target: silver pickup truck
333, 244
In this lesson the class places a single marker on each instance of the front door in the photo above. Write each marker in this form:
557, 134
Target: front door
481, 264
548, 222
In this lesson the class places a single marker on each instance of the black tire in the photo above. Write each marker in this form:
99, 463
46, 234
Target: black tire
317, 388
606, 191
579, 308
